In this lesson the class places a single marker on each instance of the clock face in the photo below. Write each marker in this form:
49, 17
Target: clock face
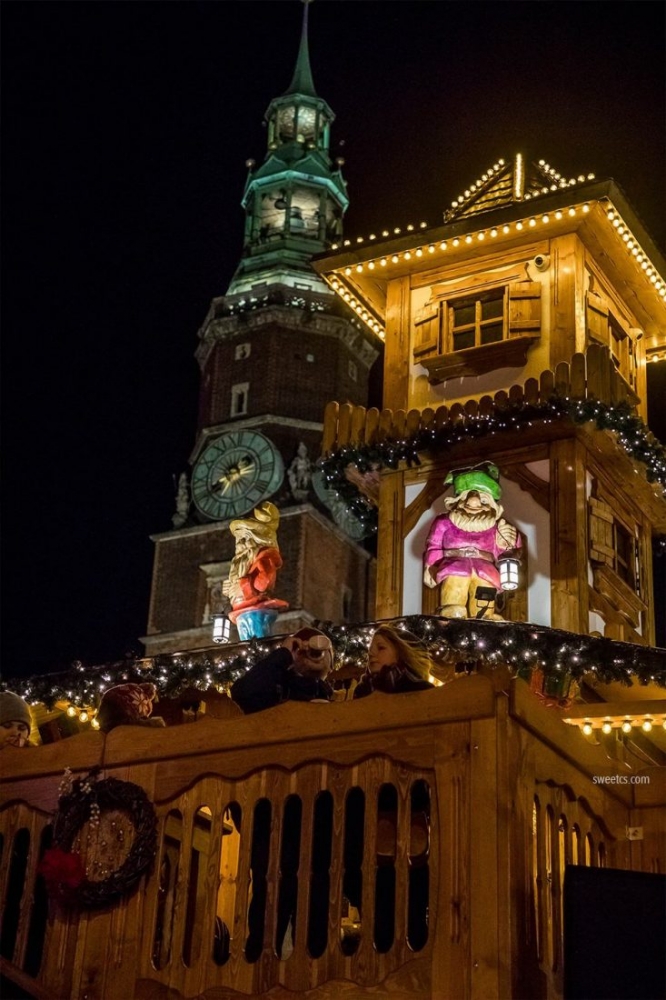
234, 473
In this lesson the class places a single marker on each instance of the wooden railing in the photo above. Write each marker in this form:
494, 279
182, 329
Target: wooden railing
588, 376
348, 848
295, 847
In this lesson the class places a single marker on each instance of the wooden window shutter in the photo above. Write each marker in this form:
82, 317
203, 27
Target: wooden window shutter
596, 318
426, 329
602, 548
524, 308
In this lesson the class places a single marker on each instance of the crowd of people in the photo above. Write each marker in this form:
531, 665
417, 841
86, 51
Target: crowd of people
299, 669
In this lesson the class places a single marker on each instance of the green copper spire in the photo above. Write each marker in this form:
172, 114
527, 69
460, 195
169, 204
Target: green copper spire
302, 82
295, 200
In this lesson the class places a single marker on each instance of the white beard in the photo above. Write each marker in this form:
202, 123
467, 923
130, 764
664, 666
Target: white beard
480, 521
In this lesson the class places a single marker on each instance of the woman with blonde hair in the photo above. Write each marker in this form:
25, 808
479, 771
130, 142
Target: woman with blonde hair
397, 662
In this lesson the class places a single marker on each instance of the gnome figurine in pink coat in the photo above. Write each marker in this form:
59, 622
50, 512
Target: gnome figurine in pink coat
466, 544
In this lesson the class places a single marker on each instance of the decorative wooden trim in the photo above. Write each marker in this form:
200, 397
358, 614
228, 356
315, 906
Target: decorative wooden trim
511, 353
539, 489
620, 596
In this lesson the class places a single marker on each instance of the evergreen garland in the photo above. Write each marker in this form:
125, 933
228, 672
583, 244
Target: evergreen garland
632, 435
465, 642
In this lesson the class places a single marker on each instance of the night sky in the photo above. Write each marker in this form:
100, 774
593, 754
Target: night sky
126, 130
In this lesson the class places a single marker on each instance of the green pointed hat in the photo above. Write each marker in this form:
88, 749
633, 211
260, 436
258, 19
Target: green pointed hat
484, 478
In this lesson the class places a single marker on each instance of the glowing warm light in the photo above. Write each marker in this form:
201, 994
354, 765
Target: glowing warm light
518, 177
587, 728
607, 728
647, 726
509, 567
626, 726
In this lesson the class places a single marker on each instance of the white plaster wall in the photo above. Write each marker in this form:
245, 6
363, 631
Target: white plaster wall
520, 509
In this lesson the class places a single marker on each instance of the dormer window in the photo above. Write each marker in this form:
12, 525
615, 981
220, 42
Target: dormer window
477, 321
478, 332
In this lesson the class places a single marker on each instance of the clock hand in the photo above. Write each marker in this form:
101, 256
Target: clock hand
232, 476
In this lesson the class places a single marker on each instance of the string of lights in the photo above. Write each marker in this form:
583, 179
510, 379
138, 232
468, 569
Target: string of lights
631, 433
467, 643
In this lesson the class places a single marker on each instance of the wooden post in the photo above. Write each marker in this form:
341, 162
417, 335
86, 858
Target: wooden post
568, 537
389, 544
397, 352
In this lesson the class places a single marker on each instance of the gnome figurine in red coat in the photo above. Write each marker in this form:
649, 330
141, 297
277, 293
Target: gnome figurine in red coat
253, 572
467, 543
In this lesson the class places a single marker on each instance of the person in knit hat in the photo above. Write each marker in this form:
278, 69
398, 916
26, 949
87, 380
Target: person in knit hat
128, 705
15, 720
295, 671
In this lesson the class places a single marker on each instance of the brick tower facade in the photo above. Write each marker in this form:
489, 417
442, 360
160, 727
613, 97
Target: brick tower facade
271, 352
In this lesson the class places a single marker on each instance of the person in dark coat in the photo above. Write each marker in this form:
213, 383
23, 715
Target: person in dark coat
295, 671
397, 662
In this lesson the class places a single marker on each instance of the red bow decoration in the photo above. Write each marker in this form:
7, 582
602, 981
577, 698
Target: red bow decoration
63, 871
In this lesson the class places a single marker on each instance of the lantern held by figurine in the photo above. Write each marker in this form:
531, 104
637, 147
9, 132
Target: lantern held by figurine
509, 566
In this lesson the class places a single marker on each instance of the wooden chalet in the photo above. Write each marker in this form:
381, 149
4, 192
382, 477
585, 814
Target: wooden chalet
418, 844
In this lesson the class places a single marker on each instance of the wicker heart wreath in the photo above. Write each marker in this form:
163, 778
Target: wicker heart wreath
83, 800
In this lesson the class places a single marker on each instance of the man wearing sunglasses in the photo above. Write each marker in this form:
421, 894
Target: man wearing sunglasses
295, 671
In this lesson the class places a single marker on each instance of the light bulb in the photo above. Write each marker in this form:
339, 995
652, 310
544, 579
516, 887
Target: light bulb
626, 726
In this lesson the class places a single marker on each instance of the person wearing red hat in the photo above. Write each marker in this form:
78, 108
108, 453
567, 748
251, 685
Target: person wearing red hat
295, 671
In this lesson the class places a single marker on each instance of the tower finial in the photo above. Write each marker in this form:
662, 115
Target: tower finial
301, 82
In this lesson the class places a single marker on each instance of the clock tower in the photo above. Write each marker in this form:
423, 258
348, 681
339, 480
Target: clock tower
272, 351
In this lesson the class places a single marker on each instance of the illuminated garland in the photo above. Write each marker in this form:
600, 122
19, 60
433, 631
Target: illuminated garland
467, 643
632, 435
